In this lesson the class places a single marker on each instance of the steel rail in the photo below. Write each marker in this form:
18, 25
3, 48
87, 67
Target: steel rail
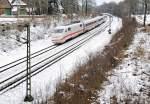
21, 60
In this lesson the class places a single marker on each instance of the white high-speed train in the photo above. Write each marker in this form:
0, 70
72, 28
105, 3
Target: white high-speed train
63, 33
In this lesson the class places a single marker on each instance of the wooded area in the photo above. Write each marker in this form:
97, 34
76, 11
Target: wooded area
127, 8
88, 7
61, 6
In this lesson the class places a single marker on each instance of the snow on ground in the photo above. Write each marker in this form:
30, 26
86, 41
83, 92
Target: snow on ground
140, 19
129, 80
8, 38
10, 20
47, 80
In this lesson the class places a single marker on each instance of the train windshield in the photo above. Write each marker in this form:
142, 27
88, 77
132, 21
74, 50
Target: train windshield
58, 30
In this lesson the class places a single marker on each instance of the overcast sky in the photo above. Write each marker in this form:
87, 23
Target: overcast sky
99, 2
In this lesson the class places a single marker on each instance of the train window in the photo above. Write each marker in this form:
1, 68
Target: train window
69, 29
101, 19
58, 30
80, 25
75, 22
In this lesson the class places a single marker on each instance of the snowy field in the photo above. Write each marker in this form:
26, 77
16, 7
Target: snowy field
130, 80
8, 38
140, 19
47, 80
12, 20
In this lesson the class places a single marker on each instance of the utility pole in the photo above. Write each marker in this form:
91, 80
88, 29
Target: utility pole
17, 9
29, 6
86, 7
28, 97
82, 7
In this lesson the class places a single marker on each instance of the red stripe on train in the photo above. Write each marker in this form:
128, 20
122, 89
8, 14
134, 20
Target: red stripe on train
71, 34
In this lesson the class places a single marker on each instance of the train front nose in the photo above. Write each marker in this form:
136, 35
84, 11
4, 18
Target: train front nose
56, 38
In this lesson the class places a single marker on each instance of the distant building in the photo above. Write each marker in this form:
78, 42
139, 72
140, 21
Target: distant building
13, 7
19, 7
5, 7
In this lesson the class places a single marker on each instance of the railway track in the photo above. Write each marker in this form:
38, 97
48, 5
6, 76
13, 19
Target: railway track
20, 77
21, 60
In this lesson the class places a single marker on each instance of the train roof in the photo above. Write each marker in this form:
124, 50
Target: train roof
93, 19
67, 25
61, 27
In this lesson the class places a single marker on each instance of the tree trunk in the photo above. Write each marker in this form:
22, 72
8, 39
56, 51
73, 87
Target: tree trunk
145, 12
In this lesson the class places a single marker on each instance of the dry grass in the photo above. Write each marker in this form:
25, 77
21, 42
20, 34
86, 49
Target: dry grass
82, 86
146, 29
140, 52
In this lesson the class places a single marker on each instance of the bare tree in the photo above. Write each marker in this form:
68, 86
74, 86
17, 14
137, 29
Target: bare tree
37, 6
70, 6
88, 7
145, 11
